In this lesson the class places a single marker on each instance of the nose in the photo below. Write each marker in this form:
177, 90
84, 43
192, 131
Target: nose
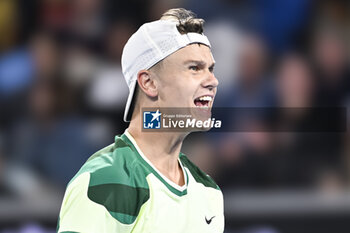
210, 81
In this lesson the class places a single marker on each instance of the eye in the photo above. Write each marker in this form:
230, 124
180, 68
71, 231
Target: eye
194, 68
211, 69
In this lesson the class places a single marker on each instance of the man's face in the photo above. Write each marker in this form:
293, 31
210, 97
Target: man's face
186, 78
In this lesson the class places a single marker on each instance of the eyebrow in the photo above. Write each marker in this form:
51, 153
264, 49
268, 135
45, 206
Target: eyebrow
199, 63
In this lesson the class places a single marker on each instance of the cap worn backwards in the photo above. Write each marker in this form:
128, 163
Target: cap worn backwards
151, 43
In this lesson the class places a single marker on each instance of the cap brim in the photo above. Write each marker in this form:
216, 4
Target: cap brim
129, 102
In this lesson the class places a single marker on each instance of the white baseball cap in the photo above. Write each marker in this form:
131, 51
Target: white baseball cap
151, 43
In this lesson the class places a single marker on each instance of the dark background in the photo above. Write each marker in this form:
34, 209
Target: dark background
62, 97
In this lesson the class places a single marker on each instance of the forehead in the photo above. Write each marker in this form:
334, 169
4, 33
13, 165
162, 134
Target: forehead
198, 52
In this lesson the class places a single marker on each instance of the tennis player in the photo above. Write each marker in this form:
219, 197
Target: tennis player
142, 183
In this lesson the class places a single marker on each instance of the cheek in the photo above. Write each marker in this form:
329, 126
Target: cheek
177, 95
174, 94
179, 89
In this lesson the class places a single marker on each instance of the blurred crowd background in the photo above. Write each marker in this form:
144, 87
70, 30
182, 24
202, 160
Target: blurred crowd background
62, 97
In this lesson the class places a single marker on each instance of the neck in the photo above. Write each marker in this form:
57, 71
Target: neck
162, 149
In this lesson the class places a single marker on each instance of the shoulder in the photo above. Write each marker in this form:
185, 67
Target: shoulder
198, 174
117, 181
116, 163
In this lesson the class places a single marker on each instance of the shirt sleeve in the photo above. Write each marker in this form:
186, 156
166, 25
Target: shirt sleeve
80, 214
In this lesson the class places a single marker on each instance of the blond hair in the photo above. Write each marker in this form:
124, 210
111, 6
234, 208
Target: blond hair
186, 20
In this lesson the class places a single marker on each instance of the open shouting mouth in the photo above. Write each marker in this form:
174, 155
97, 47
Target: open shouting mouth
203, 101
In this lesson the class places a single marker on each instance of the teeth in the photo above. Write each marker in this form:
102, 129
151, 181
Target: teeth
205, 98
204, 107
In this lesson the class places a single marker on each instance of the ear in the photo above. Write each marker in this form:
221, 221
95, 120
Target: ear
147, 83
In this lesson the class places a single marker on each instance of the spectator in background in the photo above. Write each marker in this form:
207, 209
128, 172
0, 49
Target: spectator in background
87, 19
44, 50
16, 64
331, 63
332, 70
252, 87
295, 82
51, 137
56, 15
107, 90
265, 160
8, 24
301, 158
98, 76
244, 155
52, 140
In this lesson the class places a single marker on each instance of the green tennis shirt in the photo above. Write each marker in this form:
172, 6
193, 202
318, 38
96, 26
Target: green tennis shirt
119, 190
